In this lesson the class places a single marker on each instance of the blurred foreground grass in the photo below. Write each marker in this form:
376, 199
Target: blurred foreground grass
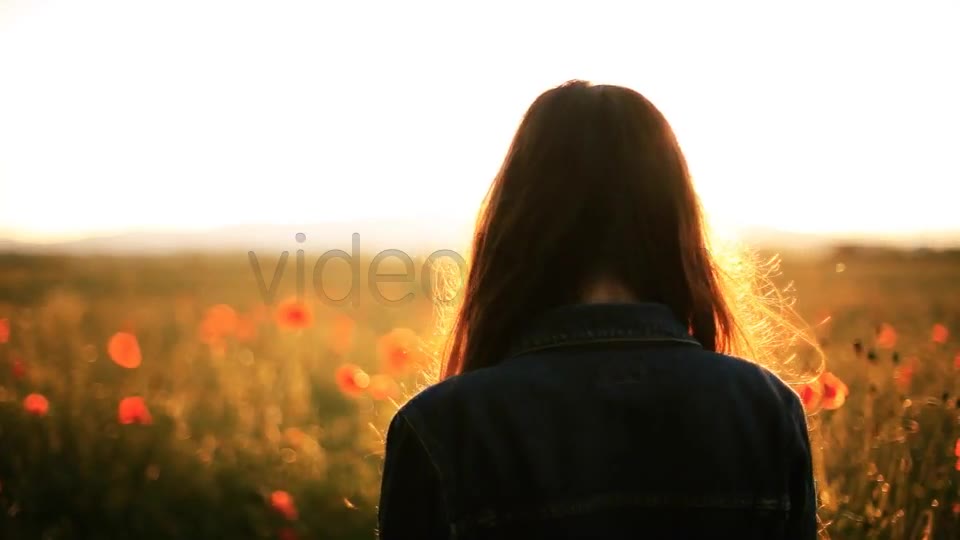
160, 398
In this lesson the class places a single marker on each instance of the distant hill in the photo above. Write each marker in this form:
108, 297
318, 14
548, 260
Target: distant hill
768, 237
374, 235
410, 235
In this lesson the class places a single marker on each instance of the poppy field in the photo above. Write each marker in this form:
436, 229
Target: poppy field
164, 398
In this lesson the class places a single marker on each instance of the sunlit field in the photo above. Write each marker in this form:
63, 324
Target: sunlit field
169, 398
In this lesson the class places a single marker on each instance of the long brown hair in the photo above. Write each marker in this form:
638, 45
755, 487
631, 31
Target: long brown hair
594, 185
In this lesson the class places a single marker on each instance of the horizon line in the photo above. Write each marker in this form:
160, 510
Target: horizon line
756, 234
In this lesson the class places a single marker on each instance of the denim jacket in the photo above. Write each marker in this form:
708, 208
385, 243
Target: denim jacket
604, 421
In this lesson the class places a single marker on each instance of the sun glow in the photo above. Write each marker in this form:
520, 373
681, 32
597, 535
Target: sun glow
118, 116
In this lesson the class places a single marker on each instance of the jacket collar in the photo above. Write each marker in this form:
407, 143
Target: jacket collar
582, 324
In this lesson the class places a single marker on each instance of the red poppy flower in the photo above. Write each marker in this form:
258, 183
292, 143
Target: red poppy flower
36, 404
351, 380
835, 392
17, 368
886, 337
218, 322
399, 351
4, 330
133, 410
810, 394
903, 374
124, 350
294, 315
282, 502
939, 334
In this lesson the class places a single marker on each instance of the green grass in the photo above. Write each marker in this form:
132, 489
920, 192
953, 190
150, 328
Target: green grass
233, 423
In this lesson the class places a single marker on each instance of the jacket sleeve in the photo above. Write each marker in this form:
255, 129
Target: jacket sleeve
803, 495
411, 505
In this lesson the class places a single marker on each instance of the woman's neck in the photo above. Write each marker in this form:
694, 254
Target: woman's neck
606, 291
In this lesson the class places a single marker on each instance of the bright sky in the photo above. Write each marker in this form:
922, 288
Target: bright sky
130, 115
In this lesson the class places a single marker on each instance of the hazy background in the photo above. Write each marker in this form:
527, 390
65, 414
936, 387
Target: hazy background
150, 120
